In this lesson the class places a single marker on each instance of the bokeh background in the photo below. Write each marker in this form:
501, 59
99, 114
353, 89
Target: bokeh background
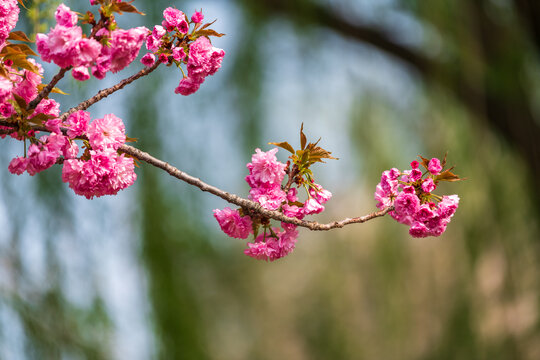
147, 274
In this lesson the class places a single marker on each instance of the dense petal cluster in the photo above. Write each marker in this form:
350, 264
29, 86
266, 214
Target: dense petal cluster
66, 46
105, 173
265, 178
414, 204
274, 247
9, 15
100, 171
203, 60
232, 223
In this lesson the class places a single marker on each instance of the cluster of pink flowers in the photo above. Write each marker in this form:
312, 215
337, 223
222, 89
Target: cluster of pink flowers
102, 171
9, 15
265, 178
415, 205
202, 58
66, 46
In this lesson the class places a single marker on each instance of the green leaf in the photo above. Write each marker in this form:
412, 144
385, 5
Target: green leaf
285, 145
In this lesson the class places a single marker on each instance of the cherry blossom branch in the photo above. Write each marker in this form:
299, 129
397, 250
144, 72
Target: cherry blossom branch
108, 91
47, 89
249, 205
245, 203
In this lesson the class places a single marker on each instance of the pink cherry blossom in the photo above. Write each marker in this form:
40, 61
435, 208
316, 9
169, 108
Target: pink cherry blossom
9, 15
65, 17
264, 168
18, 165
148, 59
77, 123
434, 166
80, 73
312, 206
406, 204
197, 17
108, 132
173, 16
232, 223
187, 86
428, 185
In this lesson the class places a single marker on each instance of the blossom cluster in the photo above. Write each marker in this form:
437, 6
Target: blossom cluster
9, 15
99, 171
171, 42
66, 46
411, 194
266, 175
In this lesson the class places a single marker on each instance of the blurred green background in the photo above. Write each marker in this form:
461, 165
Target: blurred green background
148, 274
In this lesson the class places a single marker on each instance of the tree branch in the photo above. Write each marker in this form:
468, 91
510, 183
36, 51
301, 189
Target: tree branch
108, 91
231, 198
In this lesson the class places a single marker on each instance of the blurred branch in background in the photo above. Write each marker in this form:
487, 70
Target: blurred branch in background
491, 84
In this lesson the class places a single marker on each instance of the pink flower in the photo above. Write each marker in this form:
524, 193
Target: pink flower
187, 86
163, 58
153, 43
86, 52
311, 206
419, 230
39, 159
18, 165
270, 196
80, 73
158, 32
47, 107
415, 175
125, 45
434, 166
183, 27
65, 17
265, 169
204, 59
293, 211
6, 110
108, 132
178, 53
448, 205
415, 164
428, 185
270, 248
292, 195
232, 223
6, 87
197, 17
406, 204
9, 15
61, 45
78, 123
173, 16
105, 173
321, 195
148, 59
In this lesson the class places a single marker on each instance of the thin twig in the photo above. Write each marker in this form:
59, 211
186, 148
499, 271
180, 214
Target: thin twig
231, 198
108, 91
47, 89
